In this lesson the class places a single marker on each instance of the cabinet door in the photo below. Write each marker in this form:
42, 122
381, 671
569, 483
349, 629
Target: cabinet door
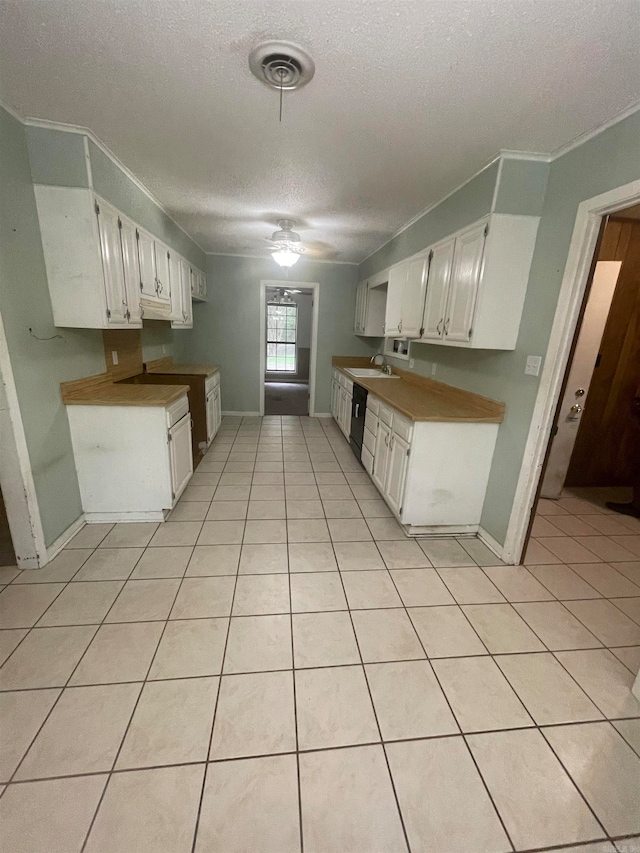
334, 398
211, 415
185, 286
413, 298
177, 297
381, 456
131, 270
203, 285
396, 472
465, 278
180, 455
395, 290
437, 290
112, 265
147, 262
218, 409
162, 271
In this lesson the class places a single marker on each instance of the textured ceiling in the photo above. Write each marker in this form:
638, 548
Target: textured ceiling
408, 100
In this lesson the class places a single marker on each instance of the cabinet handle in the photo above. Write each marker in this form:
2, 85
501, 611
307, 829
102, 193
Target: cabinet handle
446, 326
438, 329
400, 326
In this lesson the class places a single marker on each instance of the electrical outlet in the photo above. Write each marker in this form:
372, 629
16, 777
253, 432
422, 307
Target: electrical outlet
433, 369
164, 350
532, 367
412, 363
114, 357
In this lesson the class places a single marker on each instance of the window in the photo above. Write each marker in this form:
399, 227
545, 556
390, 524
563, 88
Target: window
282, 321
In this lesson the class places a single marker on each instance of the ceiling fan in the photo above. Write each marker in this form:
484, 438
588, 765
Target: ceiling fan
286, 244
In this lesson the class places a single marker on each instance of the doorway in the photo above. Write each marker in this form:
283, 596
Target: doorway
597, 438
288, 347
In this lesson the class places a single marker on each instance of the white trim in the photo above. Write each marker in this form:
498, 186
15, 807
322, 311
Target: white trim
491, 543
574, 282
307, 285
66, 536
431, 207
323, 415
124, 517
13, 111
536, 156
268, 257
494, 197
87, 157
241, 414
595, 131
89, 134
16, 476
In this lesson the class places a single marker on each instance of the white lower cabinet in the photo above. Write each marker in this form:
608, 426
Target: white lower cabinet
432, 475
133, 462
213, 406
341, 398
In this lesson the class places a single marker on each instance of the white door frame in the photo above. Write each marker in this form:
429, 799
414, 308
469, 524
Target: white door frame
308, 285
16, 478
572, 290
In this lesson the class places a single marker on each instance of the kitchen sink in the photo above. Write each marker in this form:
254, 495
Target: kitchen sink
369, 373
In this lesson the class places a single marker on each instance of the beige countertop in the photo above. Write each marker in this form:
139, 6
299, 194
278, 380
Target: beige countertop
100, 390
422, 399
166, 365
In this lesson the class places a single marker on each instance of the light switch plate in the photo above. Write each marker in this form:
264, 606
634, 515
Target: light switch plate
532, 367
114, 357
412, 363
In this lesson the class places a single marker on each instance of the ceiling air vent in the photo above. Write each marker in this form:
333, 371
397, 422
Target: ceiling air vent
281, 65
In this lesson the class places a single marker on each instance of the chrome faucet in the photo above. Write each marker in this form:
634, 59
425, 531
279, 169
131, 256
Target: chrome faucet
385, 367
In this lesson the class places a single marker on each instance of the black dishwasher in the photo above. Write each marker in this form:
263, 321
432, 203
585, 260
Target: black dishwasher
358, 410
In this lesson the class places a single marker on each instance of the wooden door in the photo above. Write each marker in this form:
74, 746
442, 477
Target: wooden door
607, 443
437, 290
112, 267
465, 279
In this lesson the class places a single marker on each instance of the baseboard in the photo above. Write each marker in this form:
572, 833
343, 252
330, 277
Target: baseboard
441, 530
66, 536
241, 414
123, 517
322, 415
491, 543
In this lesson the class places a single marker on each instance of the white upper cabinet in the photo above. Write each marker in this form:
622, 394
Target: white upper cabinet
413, 297
477, 283
129, 241
371, 301
85, 260
163, 284
465, 278
180, 279
441, 261
112, 265
395, 292
198, 285
147, 261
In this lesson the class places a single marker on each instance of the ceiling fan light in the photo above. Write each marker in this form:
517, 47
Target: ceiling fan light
285, 257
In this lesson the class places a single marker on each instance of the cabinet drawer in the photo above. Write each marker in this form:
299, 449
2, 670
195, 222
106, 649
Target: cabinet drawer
385, 414
177, 410
368, 440
371, 421
373, 404
402, 427
367, 460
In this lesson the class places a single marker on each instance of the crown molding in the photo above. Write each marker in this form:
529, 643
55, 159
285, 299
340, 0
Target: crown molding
595, 131
29, 121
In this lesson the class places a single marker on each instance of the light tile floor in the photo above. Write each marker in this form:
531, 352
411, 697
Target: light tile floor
278, 668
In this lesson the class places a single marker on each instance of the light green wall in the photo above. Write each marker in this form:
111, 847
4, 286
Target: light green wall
604, 162
160, 340
38, 366
470, 203
57, 158
521, 187
115, 186
226, 329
